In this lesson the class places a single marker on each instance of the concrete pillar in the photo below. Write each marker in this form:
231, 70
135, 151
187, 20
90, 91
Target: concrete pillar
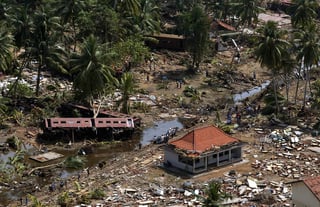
206, 162
193, 165
230, 159
218, 159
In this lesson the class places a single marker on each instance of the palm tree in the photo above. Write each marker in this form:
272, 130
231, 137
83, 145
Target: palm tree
22, 24
248, 11
69, 11
91, 74
214, 195
195, 28
221, 9
270, 51
127, 87
148, 19
308, 52
43, 29
183, 5
6, 49
287, 67
104, 22
129, 7
303, 12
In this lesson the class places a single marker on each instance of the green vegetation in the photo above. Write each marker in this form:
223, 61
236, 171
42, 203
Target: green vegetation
96, 43
64, 199
97, 193
75, 162
214, 195
270, 50
35, 202
195, 27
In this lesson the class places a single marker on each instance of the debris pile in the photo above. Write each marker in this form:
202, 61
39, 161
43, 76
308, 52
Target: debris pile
29, 78
248, 190
129, 184
289, 154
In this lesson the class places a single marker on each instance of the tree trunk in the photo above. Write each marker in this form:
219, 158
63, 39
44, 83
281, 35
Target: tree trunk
74, 34
309, 81
305, 87
38, 76
297, 86
275, 93
287, 86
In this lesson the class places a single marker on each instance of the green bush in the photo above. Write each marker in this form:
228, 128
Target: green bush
64, 199
190, 91
75, 162
20, 89
97, 194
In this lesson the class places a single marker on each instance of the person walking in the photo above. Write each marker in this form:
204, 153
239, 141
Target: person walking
88, 172
238, 116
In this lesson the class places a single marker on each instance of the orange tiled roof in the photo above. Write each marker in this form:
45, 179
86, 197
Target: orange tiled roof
202, 139
313, 183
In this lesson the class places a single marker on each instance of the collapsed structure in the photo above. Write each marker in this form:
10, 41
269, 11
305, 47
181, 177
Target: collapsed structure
203, 148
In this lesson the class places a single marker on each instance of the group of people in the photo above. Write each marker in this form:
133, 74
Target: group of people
179, 83
250, 109
62, 184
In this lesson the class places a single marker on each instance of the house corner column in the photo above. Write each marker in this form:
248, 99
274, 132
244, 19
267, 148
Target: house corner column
193, 165
206, 162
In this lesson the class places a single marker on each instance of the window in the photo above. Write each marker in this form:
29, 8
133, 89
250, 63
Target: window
185, 160
214, 156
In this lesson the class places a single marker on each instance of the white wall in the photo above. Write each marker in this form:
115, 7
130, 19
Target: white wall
302, 196
171, 156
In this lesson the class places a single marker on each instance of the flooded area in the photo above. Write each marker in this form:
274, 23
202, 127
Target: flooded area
159, 128
100, 152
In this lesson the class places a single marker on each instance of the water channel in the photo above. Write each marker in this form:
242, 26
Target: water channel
103, 152
253, 91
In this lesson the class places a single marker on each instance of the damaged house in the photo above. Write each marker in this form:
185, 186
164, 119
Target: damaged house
203, 148
306, 192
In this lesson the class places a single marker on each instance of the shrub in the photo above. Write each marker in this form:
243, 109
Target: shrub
97, 194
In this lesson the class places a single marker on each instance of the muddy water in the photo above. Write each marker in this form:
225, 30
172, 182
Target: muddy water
159, 128
102, 152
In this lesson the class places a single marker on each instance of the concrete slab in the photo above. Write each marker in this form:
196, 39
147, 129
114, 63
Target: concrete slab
45, 157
